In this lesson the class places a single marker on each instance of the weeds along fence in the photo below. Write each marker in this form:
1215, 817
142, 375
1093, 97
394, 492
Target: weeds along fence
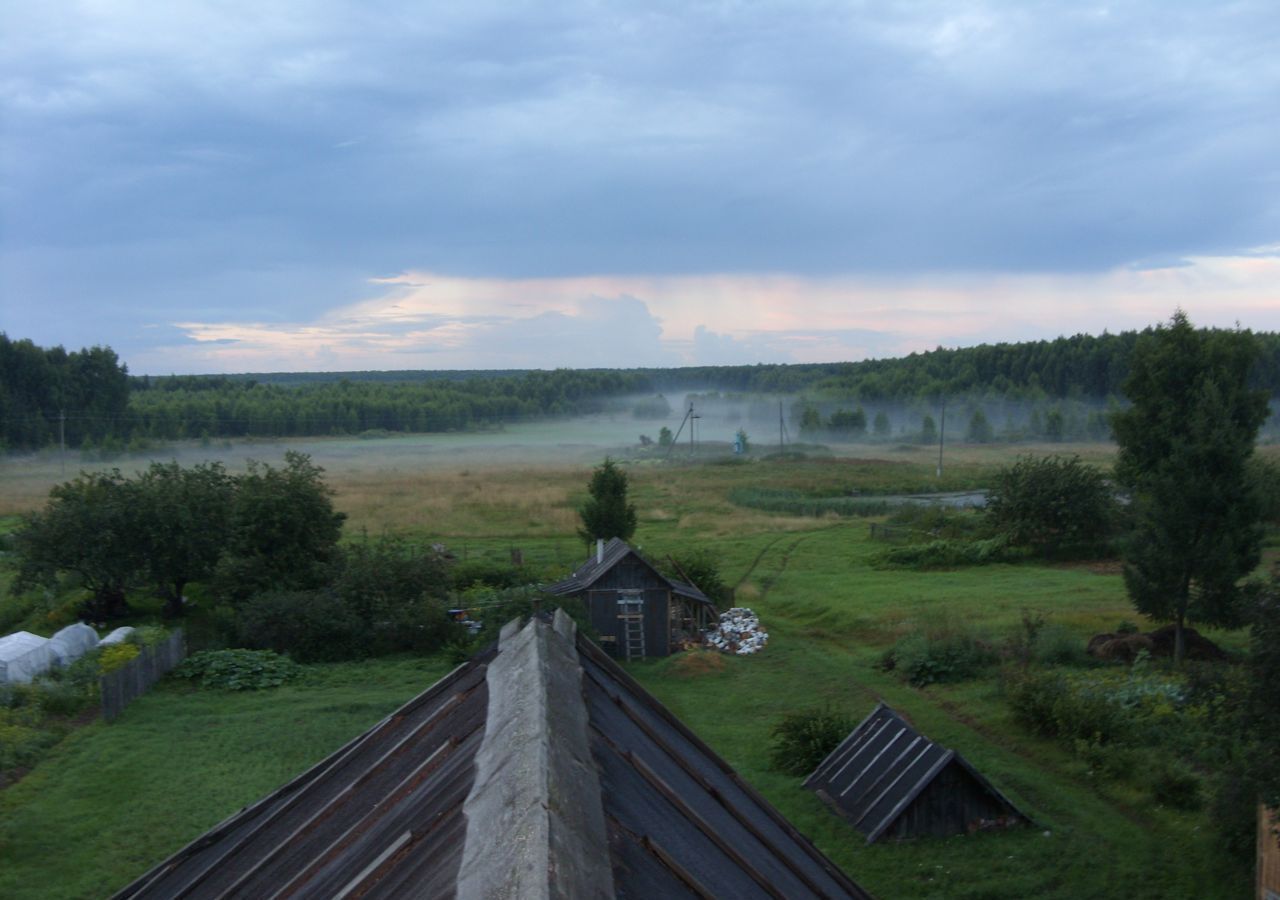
135, 678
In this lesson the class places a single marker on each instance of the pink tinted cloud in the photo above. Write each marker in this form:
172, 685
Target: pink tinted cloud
429, 320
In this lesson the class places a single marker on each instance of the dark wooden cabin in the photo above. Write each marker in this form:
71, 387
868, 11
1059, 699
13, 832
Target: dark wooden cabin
888, 780
635, 609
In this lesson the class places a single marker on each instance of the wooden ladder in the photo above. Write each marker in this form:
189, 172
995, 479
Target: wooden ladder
633, 635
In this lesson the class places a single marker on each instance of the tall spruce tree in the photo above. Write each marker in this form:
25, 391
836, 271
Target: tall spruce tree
1184, 445
607, 514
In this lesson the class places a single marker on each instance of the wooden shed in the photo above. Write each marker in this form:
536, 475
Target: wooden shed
635, 609
1268, 854
888, 780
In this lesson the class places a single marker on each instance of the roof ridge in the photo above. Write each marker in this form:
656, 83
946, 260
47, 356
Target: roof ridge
536, 782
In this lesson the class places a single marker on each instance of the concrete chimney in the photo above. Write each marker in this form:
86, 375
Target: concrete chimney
599, 550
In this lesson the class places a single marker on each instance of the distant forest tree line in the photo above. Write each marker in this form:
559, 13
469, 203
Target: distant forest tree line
87, 398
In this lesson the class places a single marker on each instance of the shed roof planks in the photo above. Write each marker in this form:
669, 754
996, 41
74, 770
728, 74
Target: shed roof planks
887, 779
614, 552
537, 769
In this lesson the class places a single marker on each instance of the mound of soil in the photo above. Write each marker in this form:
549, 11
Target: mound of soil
1126, 647
1197, 645
1119, 647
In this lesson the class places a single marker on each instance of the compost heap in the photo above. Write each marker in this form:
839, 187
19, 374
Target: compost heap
739, 632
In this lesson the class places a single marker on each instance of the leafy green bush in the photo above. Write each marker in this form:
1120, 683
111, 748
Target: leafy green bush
804, 739
1058, 645
311, 626
21, 742
1133, 707
397, 590
1053, 504
1107, 761
1044, 703
943, 654
65, 698
485, 572
1173, 784
238, 670
701, 568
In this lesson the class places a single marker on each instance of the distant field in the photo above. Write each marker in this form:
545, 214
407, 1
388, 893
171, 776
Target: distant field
116, 799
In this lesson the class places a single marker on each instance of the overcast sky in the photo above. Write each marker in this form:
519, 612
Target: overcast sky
249, 186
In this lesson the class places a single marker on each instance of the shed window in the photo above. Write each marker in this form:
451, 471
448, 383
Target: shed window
630, 602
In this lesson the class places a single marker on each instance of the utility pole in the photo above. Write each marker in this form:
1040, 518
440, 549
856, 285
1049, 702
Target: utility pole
942, 434
693, 427
781, 431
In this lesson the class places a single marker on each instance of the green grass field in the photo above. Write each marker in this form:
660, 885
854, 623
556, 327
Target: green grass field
112, 800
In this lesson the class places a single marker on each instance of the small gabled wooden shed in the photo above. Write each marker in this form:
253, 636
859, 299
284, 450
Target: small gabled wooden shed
635, 609
888, 780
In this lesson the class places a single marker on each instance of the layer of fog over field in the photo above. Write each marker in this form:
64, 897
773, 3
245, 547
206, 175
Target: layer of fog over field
629, 429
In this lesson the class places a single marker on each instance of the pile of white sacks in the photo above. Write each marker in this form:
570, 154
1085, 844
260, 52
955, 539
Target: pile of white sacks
739, 632
24, 656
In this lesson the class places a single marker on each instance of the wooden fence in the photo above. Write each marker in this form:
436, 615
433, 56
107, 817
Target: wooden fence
1268, 854
135, 678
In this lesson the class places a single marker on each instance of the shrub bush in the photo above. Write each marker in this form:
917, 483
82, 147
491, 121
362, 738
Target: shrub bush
311, 626
1173, 784
487, 573
701, 568
804, 739
1053, 504
1058, 645
64, 698
21, 744
943, 654
1046, 703
238, 670
397, 590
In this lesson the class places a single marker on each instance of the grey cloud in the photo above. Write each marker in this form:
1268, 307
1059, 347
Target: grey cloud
199, 140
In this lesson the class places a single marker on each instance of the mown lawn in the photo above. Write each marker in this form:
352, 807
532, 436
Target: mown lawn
113, 800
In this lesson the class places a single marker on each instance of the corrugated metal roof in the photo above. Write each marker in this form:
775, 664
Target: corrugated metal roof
415, 806
615, 551
881, 768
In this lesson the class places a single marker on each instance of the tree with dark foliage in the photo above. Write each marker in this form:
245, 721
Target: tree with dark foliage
607, 514
184, 517
89, 528
284, 531
1185, 444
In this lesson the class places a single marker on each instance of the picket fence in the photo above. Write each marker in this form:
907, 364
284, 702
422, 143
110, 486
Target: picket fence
135, 678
